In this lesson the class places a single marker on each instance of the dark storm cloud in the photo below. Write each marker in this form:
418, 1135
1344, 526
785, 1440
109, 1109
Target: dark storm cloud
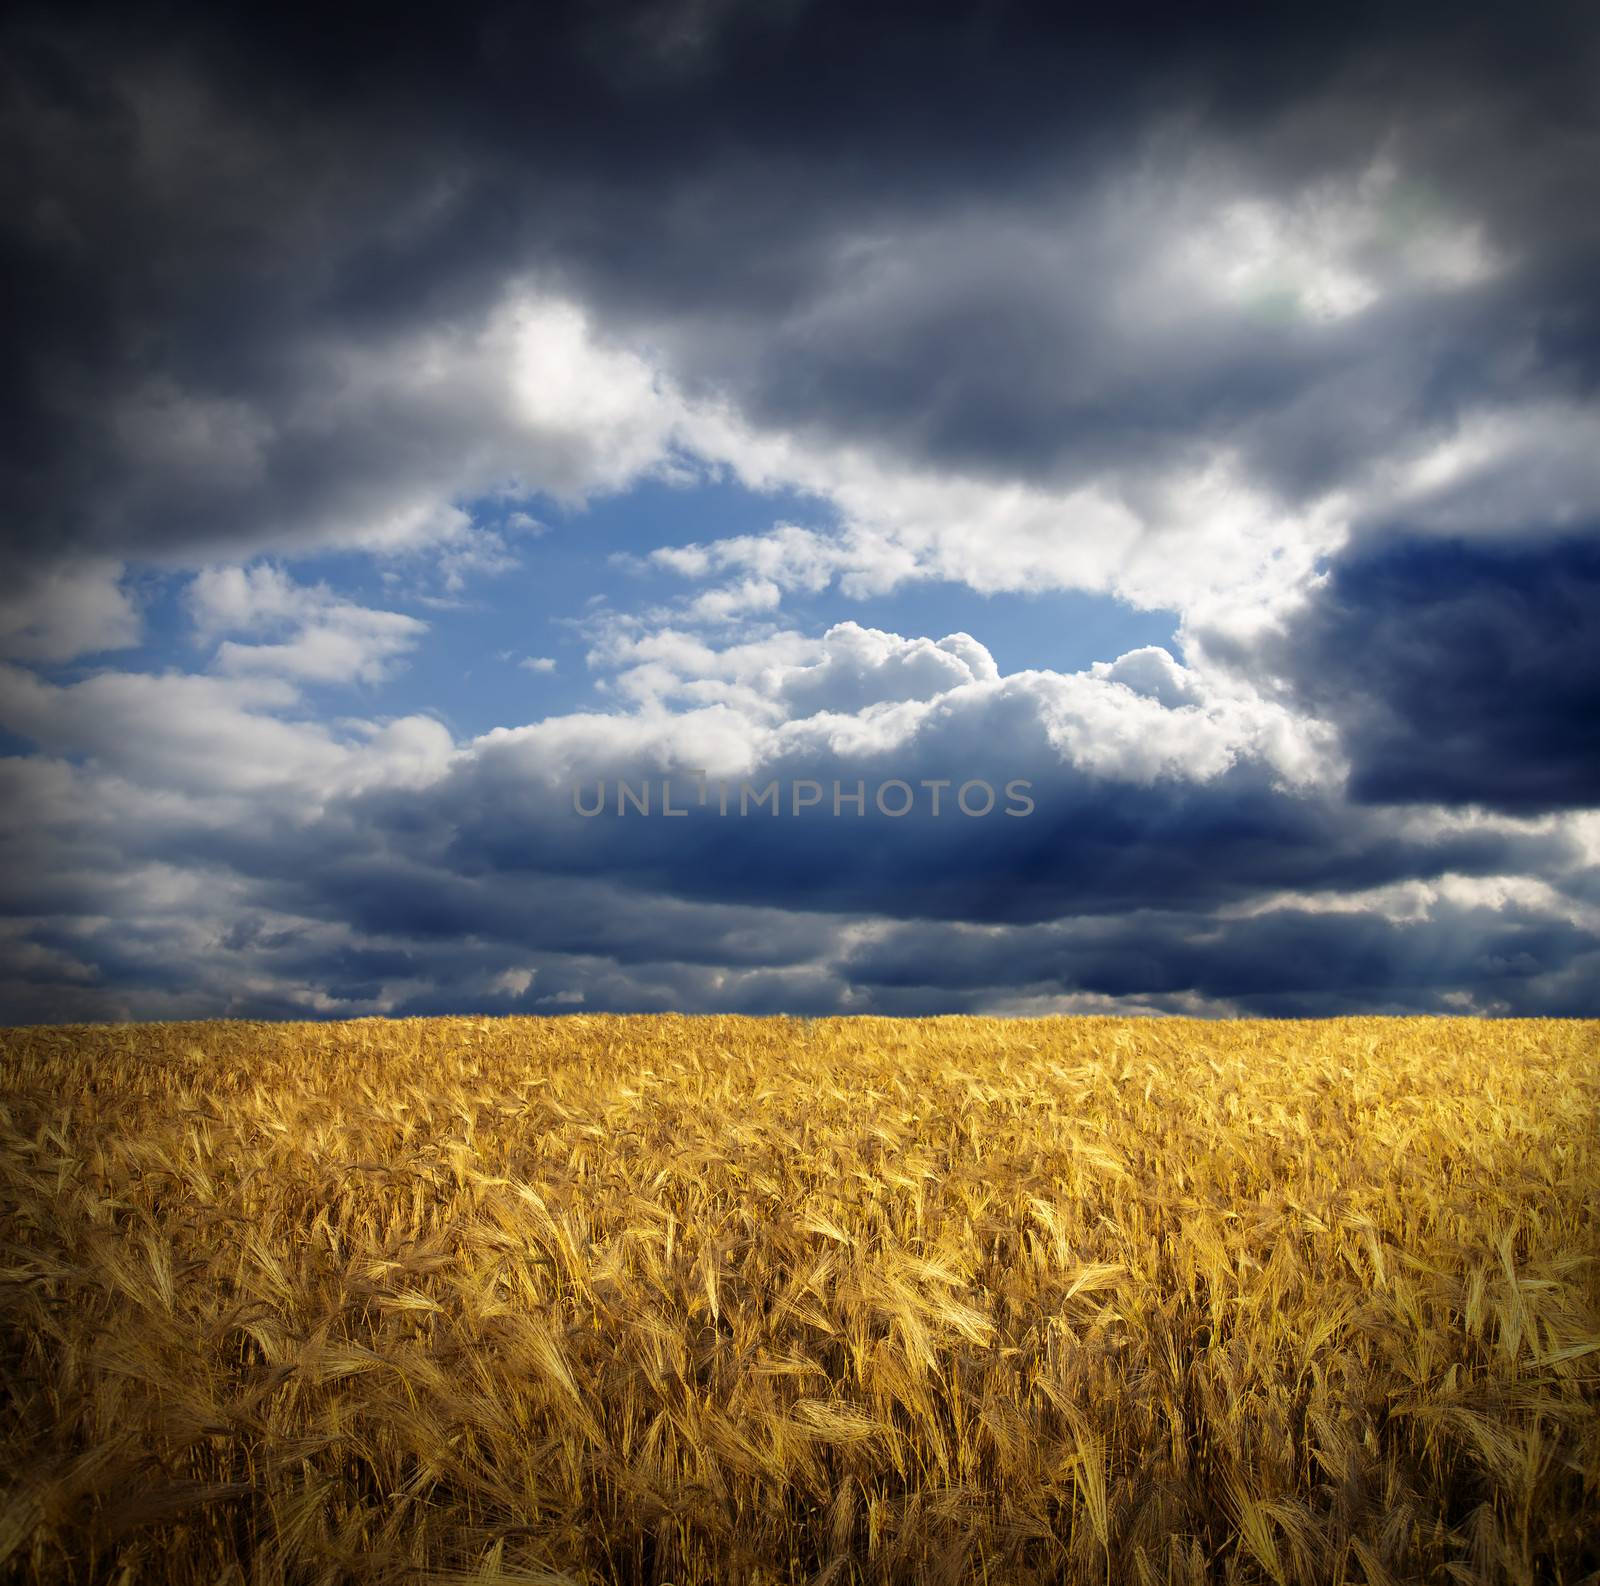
1091, 845
1459, 673
1283, 962
198, 205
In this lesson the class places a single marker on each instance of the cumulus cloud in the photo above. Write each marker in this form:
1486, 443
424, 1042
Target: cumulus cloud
398, 838
191, 734
393, 872
321, 637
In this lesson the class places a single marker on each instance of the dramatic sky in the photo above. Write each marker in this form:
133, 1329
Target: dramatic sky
409, 416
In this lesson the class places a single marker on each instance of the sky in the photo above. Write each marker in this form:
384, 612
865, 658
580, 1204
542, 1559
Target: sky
416, 423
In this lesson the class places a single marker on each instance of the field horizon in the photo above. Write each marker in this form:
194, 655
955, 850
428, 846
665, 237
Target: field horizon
592, 1299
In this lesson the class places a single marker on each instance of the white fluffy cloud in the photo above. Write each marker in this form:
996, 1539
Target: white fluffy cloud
304, 631
859, 692
200, 736
1200, 539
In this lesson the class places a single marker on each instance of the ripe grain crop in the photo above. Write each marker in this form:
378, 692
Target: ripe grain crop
615, 1300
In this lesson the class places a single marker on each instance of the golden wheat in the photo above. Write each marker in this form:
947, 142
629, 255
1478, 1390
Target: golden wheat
730, 1300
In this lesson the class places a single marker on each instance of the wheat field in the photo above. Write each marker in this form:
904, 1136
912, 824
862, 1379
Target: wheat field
672, 1300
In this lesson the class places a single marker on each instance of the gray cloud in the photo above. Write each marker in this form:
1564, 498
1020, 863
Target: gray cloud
278, 286
962, 240
1284, 962
1166, 859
